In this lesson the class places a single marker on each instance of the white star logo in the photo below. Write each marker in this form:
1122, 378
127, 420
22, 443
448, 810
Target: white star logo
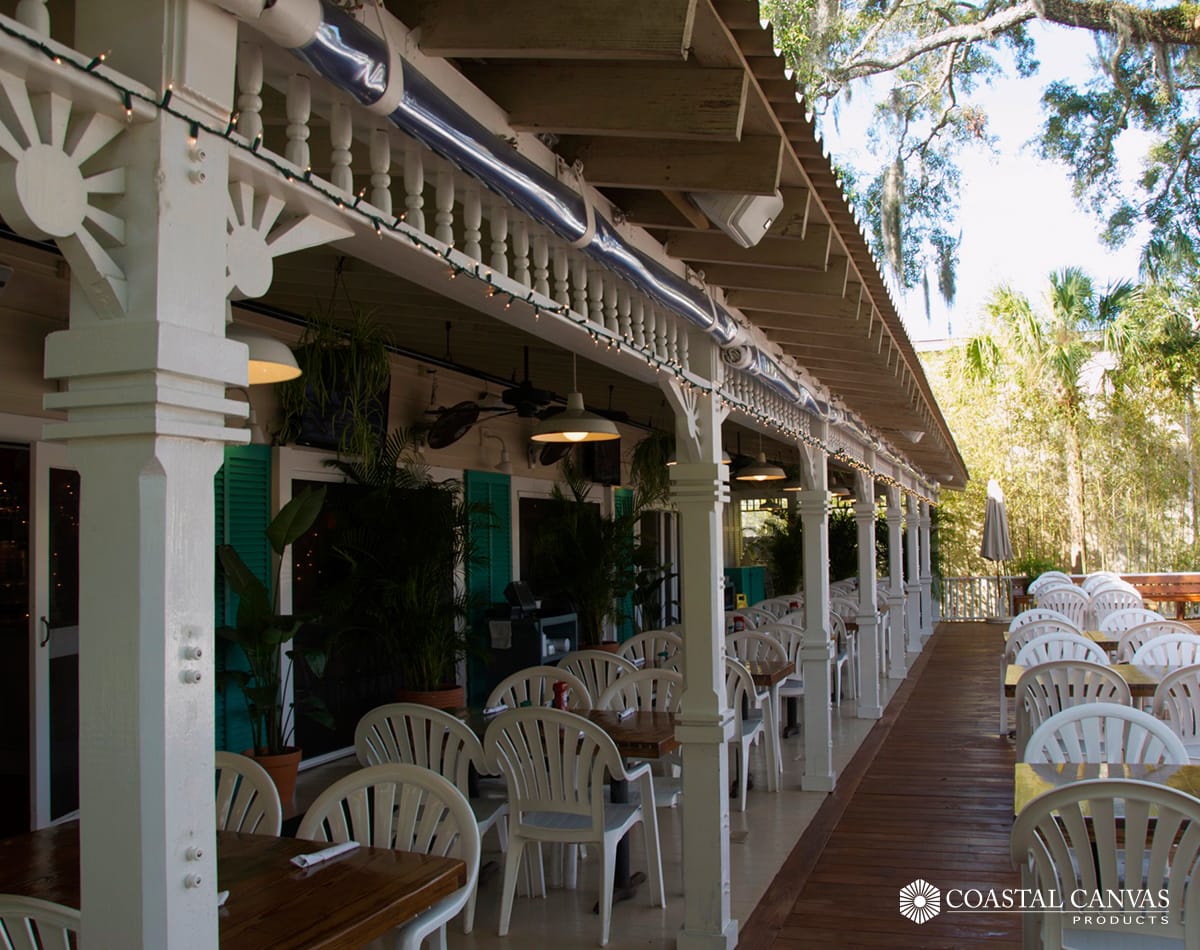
920, 901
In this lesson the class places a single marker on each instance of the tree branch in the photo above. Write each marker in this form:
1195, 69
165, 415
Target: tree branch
1177, 25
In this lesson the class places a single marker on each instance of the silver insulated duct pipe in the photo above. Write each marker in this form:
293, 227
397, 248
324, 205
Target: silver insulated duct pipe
358, 61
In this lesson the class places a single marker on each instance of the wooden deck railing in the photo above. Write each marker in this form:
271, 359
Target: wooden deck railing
979, 597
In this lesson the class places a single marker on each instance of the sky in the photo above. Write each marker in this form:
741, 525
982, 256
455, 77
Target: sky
1018, 217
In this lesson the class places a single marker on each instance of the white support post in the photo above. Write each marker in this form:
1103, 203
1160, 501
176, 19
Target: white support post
913, 587
898, 666
817, 654
145, 422
926, 523
870, 705
704, 725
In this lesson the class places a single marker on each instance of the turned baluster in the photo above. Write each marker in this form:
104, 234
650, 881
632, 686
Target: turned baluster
414, 188
250, 82
579, 282
472, 222
341, 137
520, 247
299, 108
541, 258
595, 287
444, 200
35, 15
499, 260
381, 167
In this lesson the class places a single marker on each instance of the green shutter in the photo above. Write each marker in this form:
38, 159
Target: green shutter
243, 508
490, 570
623, 505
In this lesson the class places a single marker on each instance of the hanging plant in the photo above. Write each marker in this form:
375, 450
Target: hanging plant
340, 399
648, 468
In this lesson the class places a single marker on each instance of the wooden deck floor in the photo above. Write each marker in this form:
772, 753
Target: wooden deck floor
929, 795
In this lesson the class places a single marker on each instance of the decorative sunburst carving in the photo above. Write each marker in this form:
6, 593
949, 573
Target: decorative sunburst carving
258, 232
46, 192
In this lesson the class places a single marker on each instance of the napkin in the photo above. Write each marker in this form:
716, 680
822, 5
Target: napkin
494, 710
222, 897
625, 714
308, 860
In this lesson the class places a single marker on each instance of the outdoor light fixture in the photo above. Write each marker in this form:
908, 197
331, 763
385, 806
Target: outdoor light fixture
270, 360
760, 470
575, 424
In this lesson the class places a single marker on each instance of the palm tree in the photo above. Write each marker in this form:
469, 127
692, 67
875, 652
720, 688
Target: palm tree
1047, 352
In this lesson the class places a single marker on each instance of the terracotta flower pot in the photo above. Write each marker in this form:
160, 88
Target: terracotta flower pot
450, 697
282, 768
608, 646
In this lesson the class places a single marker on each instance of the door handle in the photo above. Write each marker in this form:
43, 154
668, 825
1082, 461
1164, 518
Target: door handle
46, 627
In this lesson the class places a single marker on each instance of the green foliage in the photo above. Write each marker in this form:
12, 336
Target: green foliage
784, 548
345, 372
261, 631
591, 560
1031, 565
648, 469
404, 540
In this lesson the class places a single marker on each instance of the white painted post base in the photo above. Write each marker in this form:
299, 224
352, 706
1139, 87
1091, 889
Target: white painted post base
705, 723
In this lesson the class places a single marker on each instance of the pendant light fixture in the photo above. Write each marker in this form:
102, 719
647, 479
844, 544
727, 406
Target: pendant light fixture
270, 360
760, 470
575, 424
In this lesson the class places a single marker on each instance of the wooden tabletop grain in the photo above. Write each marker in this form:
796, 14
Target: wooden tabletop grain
642, 735
273, 905
1142, 680
1030, 781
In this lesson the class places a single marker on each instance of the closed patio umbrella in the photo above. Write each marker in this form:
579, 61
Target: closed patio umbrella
996, 545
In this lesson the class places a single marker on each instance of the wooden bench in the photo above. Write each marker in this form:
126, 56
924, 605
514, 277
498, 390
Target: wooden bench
1179, 589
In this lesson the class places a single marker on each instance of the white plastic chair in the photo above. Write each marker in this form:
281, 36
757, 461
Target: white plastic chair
407, 808
554, 764
596, 669
752, 646
1105, 732
1111, 835
1099, 579
247, 797
775, 606
1050, 688
1069, 601
1037, 614
657, 649
845, 658
413, 734
1169, 649
1109, 600
1143, 633
1177, 702
534, 685
29, 923
794, 618
1045, 579
1060, 646
652, 691
791, 639
1017, 638
1119, 621
739, 690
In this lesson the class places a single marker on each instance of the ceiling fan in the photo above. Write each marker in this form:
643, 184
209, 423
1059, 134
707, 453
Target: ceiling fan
453, 422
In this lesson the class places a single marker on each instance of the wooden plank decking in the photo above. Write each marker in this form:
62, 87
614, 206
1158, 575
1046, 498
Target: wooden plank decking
928, 795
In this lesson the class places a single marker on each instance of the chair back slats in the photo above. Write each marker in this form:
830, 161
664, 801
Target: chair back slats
1169, 649
29, 923
534, 686
246, 797
596, 669
1060, 646
1120, 836
1142, 633
1035, 614
1119, 621
654, 648
644, 690
1105, 733
1069, 601
1049, 688
1177, 701
750, 646
419, 735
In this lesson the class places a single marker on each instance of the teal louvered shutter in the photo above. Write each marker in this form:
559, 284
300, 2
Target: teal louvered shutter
243, 508
623, 505
490, 569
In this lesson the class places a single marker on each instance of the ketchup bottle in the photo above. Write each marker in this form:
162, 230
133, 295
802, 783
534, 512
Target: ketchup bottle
560, 695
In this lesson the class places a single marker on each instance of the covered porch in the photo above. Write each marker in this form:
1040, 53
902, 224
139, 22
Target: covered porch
457, 176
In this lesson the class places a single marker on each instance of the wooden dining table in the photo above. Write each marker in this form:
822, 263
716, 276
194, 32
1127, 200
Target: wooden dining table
1030, 781
1142, 680
273, 905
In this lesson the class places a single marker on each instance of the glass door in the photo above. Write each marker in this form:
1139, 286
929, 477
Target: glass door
55, 642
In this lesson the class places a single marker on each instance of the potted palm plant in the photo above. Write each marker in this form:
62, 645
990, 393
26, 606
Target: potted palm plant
406, 541
592, 561
261, 632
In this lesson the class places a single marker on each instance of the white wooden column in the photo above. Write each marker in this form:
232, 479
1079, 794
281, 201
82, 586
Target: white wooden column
145, 424
913, 587
895, 595
816, 656
926, 523
870, 705
700, 490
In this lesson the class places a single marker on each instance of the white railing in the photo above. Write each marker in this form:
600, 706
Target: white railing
974, 598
